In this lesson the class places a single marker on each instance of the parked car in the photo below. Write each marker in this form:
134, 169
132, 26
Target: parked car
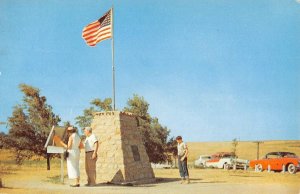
201, 162
158, 165
226, 160
276, 160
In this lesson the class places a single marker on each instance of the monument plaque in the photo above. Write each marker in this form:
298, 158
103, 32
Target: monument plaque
135, 152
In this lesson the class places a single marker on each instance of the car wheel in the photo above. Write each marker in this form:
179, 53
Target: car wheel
292, 169
226, 166
259, 168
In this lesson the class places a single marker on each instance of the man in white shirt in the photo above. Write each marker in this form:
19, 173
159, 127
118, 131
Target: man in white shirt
91, 148
182, 160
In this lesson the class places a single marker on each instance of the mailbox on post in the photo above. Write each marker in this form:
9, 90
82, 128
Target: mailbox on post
53, 148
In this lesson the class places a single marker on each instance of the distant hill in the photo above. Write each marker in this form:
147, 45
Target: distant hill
245, 149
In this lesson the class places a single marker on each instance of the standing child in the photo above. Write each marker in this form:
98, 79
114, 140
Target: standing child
182, 160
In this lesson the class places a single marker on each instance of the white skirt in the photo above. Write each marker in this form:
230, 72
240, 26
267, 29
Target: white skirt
73, 164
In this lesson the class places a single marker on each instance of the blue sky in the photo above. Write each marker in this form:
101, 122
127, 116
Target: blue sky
211, 70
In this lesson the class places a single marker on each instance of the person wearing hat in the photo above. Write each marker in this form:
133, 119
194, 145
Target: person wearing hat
74, 154
182, 160
91, 148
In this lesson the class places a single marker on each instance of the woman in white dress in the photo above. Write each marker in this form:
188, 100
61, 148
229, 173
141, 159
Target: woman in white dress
74, 155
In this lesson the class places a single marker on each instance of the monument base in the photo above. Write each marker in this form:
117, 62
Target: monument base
122, 157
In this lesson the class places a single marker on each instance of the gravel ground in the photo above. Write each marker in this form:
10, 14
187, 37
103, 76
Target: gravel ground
37, 180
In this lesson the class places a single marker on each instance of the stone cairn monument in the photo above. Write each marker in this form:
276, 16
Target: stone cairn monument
122, 156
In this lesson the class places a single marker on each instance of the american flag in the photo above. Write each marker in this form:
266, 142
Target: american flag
98, 30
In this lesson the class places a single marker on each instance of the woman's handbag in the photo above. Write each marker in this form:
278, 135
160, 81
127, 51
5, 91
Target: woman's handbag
66, 154
81, 146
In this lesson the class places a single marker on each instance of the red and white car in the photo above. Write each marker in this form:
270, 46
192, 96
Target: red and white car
226, 160
201, 162
277, 161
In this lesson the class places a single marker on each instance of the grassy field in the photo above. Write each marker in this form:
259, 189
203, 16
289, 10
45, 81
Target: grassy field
245, 149
9, 166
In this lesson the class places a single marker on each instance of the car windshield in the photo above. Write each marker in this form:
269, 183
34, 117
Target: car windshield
290, 155
272, 156
215, 156
227, 156
222, 155
281, 155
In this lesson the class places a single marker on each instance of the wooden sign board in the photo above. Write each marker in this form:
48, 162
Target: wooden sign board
52, 148
60, 132
55, 150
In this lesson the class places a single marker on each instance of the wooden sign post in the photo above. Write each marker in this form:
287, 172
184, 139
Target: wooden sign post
52, 148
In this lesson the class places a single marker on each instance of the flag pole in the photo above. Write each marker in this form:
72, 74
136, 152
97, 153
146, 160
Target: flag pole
113, 59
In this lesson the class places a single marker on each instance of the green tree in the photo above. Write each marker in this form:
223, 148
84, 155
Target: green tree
139, 107
172, 147
3, 141
96, 106
30, 124
154, 135
104, 105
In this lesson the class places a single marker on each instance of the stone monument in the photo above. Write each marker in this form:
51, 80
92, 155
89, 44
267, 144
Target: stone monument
122, 156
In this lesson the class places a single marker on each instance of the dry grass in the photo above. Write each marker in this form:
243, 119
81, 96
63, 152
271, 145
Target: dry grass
8, 165
245, 149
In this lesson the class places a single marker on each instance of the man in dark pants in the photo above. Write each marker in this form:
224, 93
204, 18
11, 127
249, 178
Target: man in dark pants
91, 148
182, 160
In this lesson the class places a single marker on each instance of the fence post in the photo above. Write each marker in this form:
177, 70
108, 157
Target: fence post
62, 168
245, 167
48, 161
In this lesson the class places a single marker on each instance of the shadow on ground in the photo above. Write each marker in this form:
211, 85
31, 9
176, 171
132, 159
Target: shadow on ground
55, 179
166, 180
247, 176
3, 187
159, 180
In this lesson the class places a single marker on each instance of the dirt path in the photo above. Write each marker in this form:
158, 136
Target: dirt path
161, 188
33, 180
